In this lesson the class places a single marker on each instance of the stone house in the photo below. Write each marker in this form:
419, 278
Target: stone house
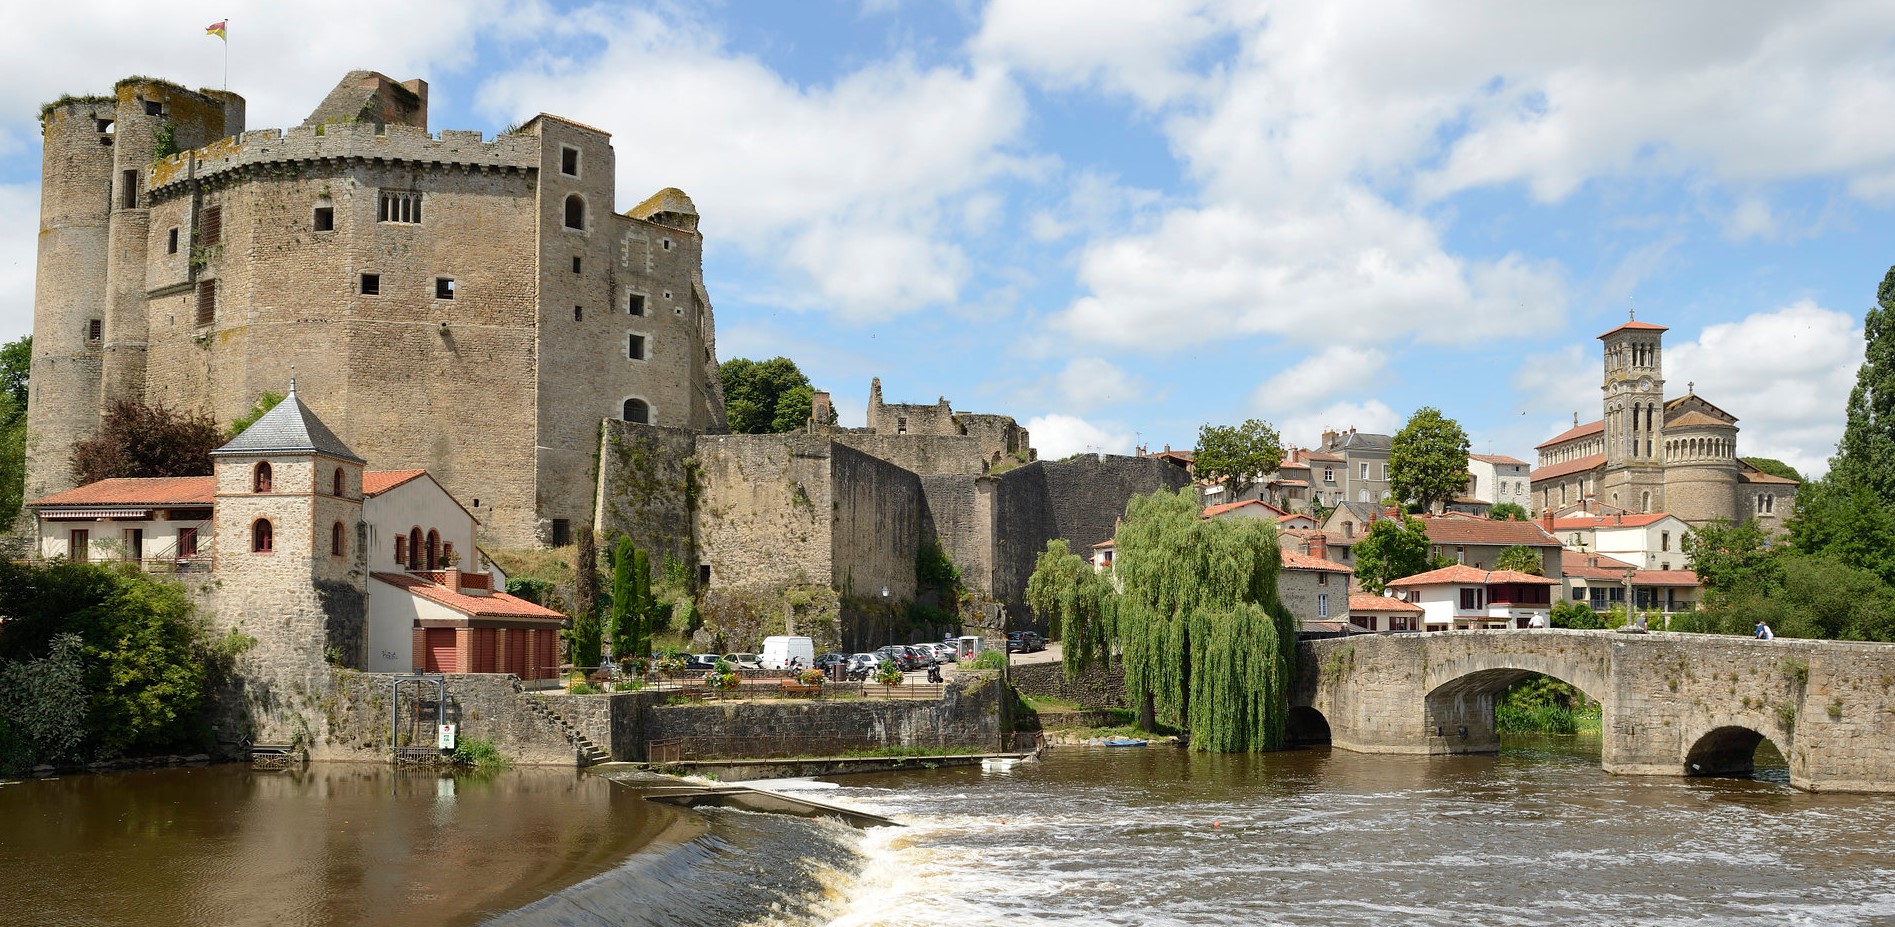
1460, 598
1313, 589
1364, 470
1383, 613
1602, 582
1497, 479
1477, 542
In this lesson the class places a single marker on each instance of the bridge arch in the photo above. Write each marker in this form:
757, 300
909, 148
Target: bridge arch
1306, 725
1729, 750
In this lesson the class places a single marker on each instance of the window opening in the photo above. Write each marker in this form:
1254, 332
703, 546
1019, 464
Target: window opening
335, 540
414, 548
667, 244
444, 288
371, 284
575, 212
262, 537
79, 545
562, 532
402, 207
569, 161
154, 108
635, 304
210, 225
635, 347
260, 477
575, 264
94, 329
637, 410
434, 549
128, 189
336, 483
171, 241
401, 550
206, 302
325, 218
187, 542
578, 313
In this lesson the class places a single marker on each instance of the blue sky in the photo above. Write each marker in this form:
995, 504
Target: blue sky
1118, 221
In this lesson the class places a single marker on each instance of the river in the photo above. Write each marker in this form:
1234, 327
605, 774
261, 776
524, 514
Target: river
1147, 836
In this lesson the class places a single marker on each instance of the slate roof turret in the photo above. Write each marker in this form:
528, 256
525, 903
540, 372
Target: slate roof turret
290, 428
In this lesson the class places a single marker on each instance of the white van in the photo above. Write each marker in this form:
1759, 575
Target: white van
779, 651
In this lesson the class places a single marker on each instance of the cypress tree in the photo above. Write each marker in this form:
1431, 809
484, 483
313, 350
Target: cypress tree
1866, 456
1207, 644
623, 628
585, 635
644, 608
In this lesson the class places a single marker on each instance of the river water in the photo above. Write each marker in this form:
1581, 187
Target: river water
1146, 836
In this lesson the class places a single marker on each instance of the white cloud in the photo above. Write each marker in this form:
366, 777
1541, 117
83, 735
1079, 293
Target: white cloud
1752, 217
1133, 47
1057, 436
854, 185
1372, 416
1785, 374
1558, 383
1317, 377
1088, 383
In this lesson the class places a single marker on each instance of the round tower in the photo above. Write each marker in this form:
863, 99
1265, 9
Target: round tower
1700, 467
79, 135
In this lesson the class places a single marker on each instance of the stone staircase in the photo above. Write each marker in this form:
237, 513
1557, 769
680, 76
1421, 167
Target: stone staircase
590, 754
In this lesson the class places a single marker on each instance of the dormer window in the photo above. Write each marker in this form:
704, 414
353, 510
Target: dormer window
260, 478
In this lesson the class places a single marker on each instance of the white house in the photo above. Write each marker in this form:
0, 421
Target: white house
163, 523
1498, 478
1649, 541
1468, 598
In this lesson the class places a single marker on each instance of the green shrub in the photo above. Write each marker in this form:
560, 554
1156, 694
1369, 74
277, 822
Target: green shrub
989, 660
43, 707
478, 753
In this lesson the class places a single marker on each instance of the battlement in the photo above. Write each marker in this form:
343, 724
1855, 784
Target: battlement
349, 141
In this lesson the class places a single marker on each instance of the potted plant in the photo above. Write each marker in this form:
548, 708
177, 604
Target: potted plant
812, 677
890, 675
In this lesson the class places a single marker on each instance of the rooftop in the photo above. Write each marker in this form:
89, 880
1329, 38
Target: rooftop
145, 491
1296, 561
290, 428
1476, 530
1570, 467
1573, 433
497, 605
1462, 574
1637, 326
1363, 602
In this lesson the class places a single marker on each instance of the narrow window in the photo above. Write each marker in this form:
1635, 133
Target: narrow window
79, 545
262, 536
210, 225
260, 478
336, 483
444, 288
401, 550
704, 574
575, 212
434, 549
578, 313
171, 241
402, 206
154, 108
414, 548
1664, 540
569, 161
94, 329
1322, 579
575, 263
371, 284
325, 218
1364, 471
206, 302
187, 542
335, 540
635, 304
128, 189
447, 554
635, 347
667, 244
636, 410
562, 532
1322, 605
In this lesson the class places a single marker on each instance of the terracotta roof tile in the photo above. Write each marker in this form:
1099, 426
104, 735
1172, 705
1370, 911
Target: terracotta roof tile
498, 605
1696, 419
1576, 465
1467, 575
1752, 475
1599, 567
1215, 510
1296, 561
1638, 326
1498, 459
1291, 516
1589, 522
1363, 602
1579, 431
157, 490
1451, 530
376, 482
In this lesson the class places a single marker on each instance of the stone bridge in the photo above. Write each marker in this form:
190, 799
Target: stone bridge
1673, 704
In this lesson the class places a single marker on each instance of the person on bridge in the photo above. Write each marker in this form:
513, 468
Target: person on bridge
1763, 632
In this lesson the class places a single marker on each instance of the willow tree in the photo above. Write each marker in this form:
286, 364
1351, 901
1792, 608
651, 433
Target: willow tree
1206, 642
1077, 604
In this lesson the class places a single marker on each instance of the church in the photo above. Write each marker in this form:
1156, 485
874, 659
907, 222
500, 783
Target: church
1650, 454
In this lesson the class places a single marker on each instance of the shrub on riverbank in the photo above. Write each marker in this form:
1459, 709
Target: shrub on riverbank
122, 652
477, 753
1544, 705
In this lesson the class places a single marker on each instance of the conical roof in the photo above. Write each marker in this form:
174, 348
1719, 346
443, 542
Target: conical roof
290, 428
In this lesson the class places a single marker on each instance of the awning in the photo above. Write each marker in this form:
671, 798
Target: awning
95, 514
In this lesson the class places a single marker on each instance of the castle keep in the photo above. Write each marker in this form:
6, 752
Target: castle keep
473, 307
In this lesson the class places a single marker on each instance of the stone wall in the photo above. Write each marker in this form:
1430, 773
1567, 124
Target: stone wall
921, 454
958, 514
647, 489
763, 520
968, 715
1099, 686
875, 528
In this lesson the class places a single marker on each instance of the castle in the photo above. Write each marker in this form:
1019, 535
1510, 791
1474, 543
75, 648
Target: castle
1649, 454
467, 306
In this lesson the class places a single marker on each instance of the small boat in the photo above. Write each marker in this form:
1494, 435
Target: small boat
1123, 742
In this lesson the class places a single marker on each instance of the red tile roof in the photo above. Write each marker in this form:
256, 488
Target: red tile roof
1576, 465
1291, 516
1290, 482
1296, 561
376, 482
1750, 474
1467, 575
1579, 431
1612, 570
1589, 522
1363, 602
1449, 529
498, 605
1213, 511
1108, 542
147, 491
1696, 419
1638, 326
1498, 459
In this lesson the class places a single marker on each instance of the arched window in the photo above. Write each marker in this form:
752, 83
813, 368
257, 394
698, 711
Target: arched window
262, 536
636, 410
434, 549
338, 482
575, 212
414, 548
260, 478
1647, 503
336, 541
447, 555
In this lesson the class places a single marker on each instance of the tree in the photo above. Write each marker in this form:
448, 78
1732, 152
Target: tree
1521, 559
1206, 642
1733, 561
1577, 615
763, 397
1843, 519
1507, 511
633, 608
16, 362
1236, 456
264, 403
16, 367
1077, 605
138, 440
1391, 550
1868, 437
1427, 461
1774, 467
585, 633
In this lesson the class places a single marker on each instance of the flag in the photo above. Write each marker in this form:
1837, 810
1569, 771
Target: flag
217, 29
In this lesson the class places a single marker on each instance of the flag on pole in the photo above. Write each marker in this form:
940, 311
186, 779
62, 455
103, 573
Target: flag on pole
217, 29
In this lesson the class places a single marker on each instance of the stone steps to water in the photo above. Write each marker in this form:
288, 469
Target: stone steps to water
590, 754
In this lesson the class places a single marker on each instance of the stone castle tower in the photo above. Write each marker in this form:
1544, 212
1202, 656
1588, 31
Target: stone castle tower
473, 307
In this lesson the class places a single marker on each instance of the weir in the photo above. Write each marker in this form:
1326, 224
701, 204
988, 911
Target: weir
1673, 704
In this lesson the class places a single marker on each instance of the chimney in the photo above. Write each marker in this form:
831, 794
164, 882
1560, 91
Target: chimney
1329, 438
1319, 546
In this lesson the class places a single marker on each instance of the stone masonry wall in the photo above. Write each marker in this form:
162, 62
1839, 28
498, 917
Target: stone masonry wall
958, 515
921, 454
967, 716
876, 526
646, 489
1099, 686
764, 516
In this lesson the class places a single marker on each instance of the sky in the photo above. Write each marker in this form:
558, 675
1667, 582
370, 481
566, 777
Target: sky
1119, 221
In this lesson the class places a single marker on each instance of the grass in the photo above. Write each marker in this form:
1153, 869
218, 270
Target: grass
988, 660
1043, 703
1544, 719
553, 565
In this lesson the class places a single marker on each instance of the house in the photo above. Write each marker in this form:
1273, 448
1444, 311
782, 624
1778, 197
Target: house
1295, 521
1249, 508
1383, 613
1477, 542
1470, 598
1102, 554
290, 515
1497, 478
1649, 541
1364, 459
1601, 582
1327, 478
1288, 487
1312, 588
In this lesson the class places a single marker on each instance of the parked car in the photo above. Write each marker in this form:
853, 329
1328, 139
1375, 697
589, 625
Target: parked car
944, 653
865, 665
1025, 642
744, 661
900, 656
925, 654
827, 660
701, 662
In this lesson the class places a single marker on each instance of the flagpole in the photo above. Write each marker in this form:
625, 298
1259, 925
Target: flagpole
226, 38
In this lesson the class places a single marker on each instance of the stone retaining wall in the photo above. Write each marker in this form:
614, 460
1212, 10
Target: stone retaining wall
1098, 687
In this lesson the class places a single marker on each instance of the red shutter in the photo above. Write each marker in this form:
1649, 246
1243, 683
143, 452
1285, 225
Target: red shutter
516, 654
440, 651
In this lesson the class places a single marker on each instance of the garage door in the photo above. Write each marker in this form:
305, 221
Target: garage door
439, 645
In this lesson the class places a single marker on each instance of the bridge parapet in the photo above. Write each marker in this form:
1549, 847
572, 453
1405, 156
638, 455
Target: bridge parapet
1673, 704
